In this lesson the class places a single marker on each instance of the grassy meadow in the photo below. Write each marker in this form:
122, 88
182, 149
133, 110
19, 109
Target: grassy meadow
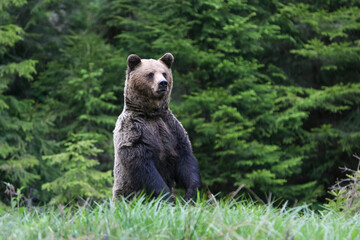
141, 219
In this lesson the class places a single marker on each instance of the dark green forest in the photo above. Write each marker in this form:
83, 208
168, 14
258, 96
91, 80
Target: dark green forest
268, 91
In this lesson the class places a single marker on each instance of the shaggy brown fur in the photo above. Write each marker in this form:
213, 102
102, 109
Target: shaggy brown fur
152, 149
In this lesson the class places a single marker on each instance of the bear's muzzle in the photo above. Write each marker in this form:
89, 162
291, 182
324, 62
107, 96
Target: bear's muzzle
162, 86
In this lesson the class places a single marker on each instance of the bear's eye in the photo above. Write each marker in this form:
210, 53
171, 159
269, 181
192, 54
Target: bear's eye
164, 74
150, 75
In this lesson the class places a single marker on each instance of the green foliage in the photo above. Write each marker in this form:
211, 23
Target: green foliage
326, 50
16, 116
254, 116
10, 34
77, 177
81, 93
36, 117
268, 91
79, 86
346, 193
16, 197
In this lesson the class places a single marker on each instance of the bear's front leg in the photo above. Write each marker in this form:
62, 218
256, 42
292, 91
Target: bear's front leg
188, 175
139, 163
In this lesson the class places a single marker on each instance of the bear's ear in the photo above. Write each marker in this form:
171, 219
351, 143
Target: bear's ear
168, 59
133, 60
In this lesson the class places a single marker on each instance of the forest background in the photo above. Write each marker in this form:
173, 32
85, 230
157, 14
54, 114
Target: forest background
269, 91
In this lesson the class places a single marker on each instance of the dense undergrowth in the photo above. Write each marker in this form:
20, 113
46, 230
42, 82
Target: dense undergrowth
206, 219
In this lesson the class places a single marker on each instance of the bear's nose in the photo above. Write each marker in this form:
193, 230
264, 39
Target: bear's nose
163, 84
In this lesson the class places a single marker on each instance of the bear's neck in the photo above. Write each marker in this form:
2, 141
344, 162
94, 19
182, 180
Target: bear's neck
146, 107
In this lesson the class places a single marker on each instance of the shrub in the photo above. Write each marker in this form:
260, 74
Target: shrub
346, 192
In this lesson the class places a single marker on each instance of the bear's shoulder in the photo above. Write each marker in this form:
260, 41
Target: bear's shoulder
127, 130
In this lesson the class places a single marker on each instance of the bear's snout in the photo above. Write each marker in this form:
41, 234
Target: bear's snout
163, 85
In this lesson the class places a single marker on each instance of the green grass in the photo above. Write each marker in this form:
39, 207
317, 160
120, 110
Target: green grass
159, 220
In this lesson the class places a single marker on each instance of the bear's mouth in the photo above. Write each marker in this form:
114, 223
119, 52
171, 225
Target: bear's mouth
162, 91
160, 94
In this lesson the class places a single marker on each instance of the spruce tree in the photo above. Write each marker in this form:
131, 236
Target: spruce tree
80, 87
17, 127
78, 178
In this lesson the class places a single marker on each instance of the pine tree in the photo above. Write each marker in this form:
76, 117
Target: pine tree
78, 178
81, 87
17, 129
323, 49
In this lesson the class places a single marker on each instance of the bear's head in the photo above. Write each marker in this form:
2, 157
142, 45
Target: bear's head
148, 84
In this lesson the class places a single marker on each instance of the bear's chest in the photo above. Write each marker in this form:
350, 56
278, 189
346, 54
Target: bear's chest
162, 139
162, 142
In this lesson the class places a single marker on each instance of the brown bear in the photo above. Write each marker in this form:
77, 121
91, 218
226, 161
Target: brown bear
152, 149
